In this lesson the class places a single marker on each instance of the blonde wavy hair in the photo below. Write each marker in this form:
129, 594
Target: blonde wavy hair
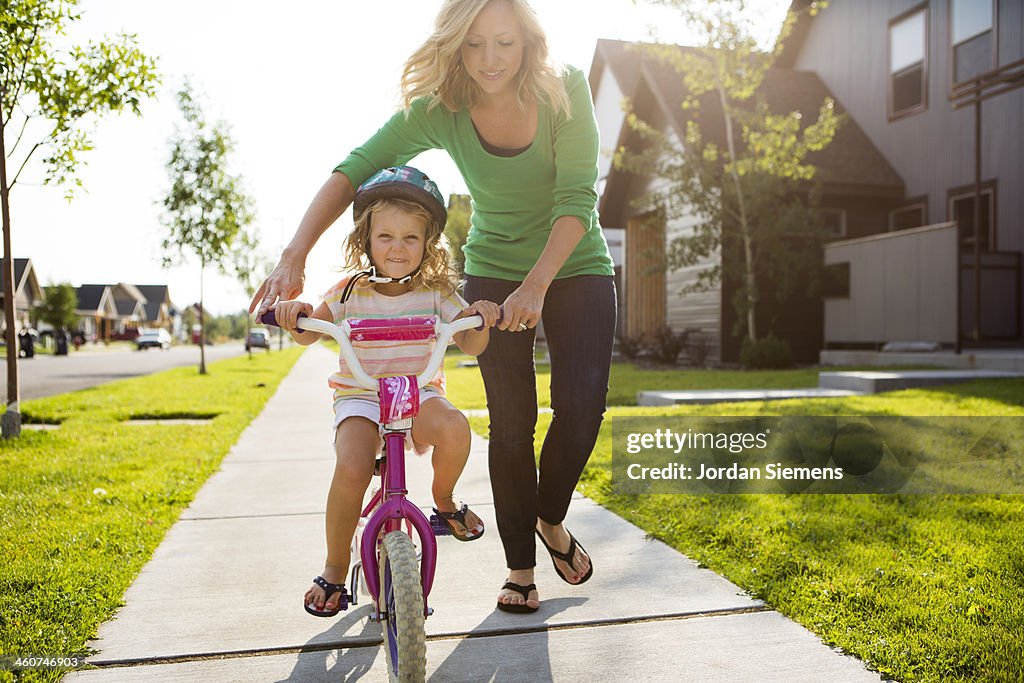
435, 271
436, 68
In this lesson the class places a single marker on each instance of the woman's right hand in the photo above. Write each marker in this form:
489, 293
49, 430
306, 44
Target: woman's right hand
285, 282
287, 314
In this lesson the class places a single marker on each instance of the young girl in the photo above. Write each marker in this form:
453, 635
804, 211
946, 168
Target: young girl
397, 243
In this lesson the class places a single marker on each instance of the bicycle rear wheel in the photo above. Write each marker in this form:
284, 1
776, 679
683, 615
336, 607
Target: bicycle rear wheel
401, 600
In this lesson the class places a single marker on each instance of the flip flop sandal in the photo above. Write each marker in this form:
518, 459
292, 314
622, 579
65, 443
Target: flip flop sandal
522, 590
442, 526
330, 589
567, 557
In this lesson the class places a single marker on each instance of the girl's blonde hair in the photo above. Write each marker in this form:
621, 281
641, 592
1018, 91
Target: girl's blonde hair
436, 68
435, 271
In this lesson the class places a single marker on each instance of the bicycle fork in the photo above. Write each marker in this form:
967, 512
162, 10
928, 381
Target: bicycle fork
392, 508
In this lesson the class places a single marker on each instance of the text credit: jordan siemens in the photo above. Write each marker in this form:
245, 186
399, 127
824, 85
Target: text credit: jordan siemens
816, 454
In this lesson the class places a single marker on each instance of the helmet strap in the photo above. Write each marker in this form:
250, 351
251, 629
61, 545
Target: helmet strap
384, 279
372, 276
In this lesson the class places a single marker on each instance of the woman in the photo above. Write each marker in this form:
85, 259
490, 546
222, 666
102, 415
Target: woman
525, 140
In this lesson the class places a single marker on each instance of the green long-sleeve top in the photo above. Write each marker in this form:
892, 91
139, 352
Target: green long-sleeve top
516, 199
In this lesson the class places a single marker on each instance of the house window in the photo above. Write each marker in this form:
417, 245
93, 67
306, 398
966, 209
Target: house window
908, 63
836, 284
961, 210
973, 38
833, 223
910, 216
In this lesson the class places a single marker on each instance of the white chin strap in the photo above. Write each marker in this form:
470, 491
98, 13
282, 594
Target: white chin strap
373, 277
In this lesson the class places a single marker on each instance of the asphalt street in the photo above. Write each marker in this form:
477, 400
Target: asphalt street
48, 375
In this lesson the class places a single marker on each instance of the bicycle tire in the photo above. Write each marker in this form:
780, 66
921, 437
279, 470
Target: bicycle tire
401, 600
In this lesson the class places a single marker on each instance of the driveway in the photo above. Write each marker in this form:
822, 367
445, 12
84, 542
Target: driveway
49, 375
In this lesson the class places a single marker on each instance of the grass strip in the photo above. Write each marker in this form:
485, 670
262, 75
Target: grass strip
83, 507
922, 588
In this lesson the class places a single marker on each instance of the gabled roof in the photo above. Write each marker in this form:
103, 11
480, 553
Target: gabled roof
94, 298
798, 34
123, 291
24, 275
156, 297
850, 164
157, 293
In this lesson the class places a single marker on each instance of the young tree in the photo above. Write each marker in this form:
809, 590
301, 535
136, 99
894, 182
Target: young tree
756, 196
58, 307
53, 96
206, 211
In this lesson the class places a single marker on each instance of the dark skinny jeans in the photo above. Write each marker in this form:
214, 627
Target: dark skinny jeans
579, 324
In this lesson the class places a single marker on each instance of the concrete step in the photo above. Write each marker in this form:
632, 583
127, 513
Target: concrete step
669, 398
874, 382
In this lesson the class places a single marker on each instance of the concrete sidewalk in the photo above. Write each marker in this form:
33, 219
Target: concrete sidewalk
221, 600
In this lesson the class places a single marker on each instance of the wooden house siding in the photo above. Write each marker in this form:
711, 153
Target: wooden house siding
696, 310
910, 273
932, 150
700, 311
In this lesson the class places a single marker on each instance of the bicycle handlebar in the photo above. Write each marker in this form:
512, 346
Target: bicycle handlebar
443, 333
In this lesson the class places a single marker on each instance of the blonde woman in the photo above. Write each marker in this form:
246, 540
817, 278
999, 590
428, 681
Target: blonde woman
523, 135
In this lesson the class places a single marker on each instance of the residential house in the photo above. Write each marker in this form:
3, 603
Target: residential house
131, 310
905, 71
160, 311
859, 189
898, 180
97, 311
27, 292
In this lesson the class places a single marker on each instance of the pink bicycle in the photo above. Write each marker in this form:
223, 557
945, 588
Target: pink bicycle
396, 580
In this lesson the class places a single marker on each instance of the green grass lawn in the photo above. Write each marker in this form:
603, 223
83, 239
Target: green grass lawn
82, 507
922, 588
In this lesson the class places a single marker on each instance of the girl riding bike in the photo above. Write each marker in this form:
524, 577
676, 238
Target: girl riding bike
403, 269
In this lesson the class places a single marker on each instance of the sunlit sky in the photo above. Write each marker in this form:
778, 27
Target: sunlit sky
300, 85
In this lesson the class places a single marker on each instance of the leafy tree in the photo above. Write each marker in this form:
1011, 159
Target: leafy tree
53, 96
755, 197
457, 228
206, 211
58, 307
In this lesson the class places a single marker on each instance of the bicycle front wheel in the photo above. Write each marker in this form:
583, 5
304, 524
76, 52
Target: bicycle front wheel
401, 600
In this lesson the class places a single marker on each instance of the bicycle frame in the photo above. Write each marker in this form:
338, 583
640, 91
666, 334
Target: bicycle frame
389, 506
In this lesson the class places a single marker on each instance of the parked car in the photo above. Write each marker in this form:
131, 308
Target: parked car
157, 338
257, 338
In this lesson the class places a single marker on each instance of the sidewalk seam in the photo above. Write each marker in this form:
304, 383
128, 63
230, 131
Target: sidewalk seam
353, 643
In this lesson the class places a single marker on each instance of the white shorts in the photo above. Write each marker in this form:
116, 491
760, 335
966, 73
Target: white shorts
364, 406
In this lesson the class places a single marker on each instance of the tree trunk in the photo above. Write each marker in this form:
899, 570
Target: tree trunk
11, 419
202, 324
749, 283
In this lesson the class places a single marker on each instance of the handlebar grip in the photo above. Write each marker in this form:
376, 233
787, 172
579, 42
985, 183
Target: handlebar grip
270, 319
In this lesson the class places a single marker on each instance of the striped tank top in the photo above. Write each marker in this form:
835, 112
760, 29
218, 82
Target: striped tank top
385, 358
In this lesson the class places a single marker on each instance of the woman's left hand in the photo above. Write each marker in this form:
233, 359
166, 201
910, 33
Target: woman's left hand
522, 309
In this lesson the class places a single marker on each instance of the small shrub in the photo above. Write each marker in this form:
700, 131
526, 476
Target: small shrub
631, 346
698, 347
766, 353
665, 344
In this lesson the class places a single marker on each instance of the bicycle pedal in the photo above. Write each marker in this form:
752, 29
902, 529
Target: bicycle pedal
354, 586
440, 526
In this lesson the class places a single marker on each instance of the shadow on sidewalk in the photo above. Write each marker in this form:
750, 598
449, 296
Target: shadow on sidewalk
506, 656
339, 663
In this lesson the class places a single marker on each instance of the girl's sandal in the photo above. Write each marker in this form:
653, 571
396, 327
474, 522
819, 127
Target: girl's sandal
330, 589
442, 524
